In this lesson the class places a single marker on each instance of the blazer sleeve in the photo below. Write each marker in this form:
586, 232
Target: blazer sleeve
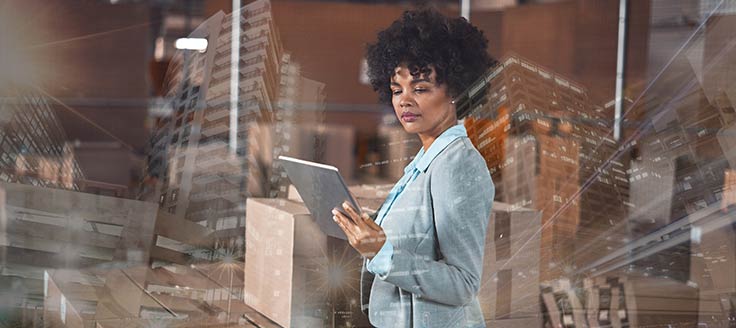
462, 195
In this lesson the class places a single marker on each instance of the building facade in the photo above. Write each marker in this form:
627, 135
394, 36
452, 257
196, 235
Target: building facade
33, 145
549, 148
193, 170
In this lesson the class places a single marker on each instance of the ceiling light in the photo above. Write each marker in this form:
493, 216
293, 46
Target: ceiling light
199, 44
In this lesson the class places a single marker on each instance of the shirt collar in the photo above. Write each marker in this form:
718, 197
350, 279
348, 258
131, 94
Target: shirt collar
422, 160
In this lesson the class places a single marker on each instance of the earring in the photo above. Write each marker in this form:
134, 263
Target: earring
453, 101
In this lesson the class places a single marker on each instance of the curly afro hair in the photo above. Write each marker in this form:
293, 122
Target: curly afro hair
425, 39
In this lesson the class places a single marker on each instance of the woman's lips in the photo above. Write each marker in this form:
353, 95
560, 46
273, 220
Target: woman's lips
409, 117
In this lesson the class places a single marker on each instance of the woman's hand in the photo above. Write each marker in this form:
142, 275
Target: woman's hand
364, 235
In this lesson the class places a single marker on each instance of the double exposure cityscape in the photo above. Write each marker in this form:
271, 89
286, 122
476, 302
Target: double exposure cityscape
140, 186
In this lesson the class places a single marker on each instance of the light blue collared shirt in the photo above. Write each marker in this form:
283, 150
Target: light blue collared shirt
380, 265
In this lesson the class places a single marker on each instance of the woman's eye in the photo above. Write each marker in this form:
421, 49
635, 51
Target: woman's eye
420, 90
396, 92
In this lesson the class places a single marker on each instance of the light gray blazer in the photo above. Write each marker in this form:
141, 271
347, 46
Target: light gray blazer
437, 226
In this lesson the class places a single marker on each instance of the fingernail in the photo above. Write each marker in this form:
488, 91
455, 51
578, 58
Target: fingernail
345, 204
334, 218
334, 211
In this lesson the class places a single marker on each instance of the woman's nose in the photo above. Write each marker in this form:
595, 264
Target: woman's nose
405, 99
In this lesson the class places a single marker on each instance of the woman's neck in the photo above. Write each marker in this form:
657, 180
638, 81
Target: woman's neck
429, 137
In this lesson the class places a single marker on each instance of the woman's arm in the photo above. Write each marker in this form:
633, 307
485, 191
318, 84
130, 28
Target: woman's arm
462, 196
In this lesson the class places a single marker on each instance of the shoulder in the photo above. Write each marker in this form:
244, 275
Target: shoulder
459, 154
460, 163
459, 180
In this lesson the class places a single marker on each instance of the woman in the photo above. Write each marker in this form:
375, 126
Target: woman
426, 243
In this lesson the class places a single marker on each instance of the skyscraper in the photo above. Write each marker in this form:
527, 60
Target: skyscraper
548, 148
194, 169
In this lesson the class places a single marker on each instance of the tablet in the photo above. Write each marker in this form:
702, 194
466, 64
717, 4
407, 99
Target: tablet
322, 188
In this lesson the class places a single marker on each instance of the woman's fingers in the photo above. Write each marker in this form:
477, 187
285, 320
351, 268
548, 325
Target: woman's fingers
345, 224
362, 220
370, 223
364, 235
353, 213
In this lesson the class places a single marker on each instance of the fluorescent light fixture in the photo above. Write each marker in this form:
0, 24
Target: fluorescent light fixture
199, 44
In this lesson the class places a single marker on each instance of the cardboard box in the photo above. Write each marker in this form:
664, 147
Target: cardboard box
285, 256
510, 286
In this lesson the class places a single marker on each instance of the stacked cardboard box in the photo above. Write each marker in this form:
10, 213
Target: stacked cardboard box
510, 286
328, 144
285, 258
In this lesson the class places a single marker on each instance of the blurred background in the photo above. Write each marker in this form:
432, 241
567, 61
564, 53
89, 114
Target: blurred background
139, 187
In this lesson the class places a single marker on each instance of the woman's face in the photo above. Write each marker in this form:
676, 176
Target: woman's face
422, 106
